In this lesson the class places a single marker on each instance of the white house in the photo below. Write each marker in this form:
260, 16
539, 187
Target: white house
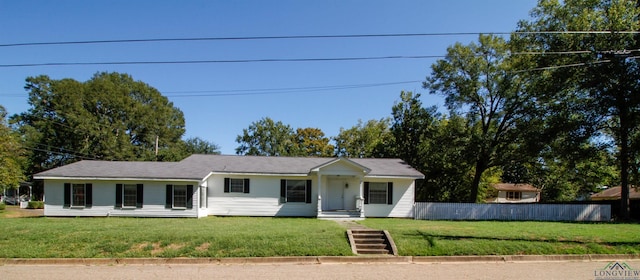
226, 185
516, 193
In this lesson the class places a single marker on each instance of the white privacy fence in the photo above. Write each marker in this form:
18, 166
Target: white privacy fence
512, 212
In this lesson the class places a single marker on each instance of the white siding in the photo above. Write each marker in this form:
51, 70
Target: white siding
341, 168
262, 200
527, 197
403, 200
104, 200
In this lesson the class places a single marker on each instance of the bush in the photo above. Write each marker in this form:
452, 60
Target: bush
35, 205
2, 206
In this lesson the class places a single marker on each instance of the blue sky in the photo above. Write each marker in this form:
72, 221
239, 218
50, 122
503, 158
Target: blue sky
221, 118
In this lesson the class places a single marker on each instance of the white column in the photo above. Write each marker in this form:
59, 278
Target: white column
361, 198
319, 194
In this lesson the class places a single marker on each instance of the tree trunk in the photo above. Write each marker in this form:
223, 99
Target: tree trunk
624, 164
475, 184
625, 127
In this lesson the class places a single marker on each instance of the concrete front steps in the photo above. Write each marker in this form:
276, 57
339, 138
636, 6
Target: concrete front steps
371, 242
351, 215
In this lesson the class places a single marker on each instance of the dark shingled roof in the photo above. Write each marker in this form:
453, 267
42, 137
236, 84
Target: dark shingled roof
197, 167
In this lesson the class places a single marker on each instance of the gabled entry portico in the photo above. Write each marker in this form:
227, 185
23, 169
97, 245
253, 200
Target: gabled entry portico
340, 189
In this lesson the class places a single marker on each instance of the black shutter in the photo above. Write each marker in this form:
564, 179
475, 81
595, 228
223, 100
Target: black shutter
169, 201
308, 192
390, 193
118, 196
283, 191
139, 195
67, 195
226, 184
88, 199
366, 192
189, 196
246, 185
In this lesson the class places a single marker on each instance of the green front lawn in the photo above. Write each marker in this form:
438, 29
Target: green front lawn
217, 237
445, 238
165, 238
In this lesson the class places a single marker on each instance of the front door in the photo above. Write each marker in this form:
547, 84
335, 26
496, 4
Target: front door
335, 195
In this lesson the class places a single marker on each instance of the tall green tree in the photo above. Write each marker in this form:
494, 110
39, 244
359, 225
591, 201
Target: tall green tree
478, 82
370, 139
602, 73
196, 145
267, 137
109, 117
446, 161
411, 124
313, 142
12, 155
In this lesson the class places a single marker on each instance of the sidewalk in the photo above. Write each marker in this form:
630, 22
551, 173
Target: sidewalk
323, 260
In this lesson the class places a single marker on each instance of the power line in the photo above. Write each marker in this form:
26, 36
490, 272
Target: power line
563, 66
571, 65
58, 150
267, 90
263, 60
223, 61
281, 90
293, 37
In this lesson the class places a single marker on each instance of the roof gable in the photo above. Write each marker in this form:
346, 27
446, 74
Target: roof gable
342, 166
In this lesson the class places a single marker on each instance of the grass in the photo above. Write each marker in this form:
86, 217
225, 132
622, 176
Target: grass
168, 238
445, 238
218, 237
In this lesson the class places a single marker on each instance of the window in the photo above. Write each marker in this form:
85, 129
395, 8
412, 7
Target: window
77, 195
295, 191
129, 195
236, 185
179, 197
514, 195
378, 193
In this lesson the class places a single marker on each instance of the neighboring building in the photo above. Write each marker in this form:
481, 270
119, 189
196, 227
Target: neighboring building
613, 193
225, 185
515, 193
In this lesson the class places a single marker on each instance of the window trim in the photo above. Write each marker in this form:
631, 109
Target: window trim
380, 189
73, 196
124, 191
170, 200
284, 190
388, 192
120, 196
68, 195
173, 195
290, 189
515, 195
245, 185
